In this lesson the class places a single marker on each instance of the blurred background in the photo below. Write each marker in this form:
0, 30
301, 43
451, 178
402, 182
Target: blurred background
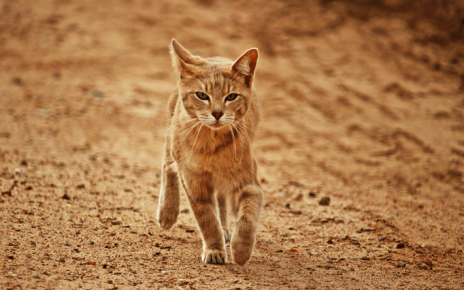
361, 100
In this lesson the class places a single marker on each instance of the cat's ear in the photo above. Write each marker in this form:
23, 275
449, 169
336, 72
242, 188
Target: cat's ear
182, 60
246, 63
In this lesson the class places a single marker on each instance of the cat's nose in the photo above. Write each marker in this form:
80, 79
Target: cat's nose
217, 115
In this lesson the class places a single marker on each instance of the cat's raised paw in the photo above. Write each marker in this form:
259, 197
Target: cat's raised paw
167, 217
214, 257
241, 250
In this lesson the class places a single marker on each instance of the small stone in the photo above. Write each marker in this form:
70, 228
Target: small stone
10, 257
279, 251
401, 264
36, 276
368, 229
400, 245
62, 260
185, 210
330, 241
428, 262
92, 242
23, 163
66, 196
235, 281
271, 241
365, 258
137, 210
98, 94
312, 194
287, 206
189, 231
423, 266
116, 223
427, 252
314, 253
325, 201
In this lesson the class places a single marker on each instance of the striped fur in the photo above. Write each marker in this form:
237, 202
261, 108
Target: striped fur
210, 158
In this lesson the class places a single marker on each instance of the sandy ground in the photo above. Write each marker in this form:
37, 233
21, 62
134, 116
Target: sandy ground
361, 102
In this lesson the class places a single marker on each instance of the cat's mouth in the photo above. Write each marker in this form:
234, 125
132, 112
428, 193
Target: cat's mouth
215, 126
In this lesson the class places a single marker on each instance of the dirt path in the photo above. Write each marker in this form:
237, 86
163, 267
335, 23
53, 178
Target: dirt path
362, 103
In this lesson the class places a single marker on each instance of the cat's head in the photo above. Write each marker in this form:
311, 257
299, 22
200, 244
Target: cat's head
215, 90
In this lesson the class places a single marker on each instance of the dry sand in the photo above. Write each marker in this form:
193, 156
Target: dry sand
361, 102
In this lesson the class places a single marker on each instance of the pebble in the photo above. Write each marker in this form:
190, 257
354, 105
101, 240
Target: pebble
314, 253
400, 245
66, 196
401, 264
325, 201
62, 260
365, 258
235, 281
116, 223
36, 276
279, 251
137, 210
423, 267
271, 241
428, 262
312, 194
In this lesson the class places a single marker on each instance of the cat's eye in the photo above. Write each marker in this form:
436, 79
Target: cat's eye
231, 97
202, 96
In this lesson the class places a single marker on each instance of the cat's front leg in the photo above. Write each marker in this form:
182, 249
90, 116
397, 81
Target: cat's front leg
223, 214
200, 193
248, 207
169, 199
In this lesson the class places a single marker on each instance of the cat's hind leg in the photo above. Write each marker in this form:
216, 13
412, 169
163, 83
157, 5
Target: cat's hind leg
247, 205
223, 214
169, 198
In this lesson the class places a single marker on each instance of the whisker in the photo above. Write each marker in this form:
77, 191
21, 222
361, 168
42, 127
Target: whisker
235, 145
197, 136
241, 142
182, 123
186, 134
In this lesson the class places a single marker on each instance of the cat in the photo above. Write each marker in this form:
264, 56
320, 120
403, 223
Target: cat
214, 115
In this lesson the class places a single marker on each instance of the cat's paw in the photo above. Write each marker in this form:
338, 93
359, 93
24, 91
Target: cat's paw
242, 249
214, 257
226, 235
167, 217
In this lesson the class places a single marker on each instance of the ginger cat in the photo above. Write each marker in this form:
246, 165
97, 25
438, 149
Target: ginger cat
214, 114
